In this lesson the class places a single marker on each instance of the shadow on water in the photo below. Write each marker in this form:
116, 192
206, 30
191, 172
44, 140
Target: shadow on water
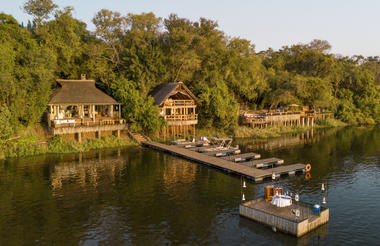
140, 196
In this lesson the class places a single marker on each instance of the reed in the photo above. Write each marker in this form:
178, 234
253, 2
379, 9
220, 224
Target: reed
30, 145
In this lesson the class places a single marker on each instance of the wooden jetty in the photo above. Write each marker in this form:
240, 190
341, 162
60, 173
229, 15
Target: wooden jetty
242, 157
263, 162
283, 219
228, 166
221, 153
189, 144
211, 148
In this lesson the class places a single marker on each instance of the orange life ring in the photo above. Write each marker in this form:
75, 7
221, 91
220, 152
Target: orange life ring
307, 176
308, 167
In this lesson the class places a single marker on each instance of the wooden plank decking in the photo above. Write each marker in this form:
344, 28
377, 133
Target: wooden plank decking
242, 157
228, 166
263, 162
221, 153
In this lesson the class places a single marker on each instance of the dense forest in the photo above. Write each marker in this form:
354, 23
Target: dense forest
128, 55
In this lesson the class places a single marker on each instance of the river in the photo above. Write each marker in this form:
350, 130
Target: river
138, 196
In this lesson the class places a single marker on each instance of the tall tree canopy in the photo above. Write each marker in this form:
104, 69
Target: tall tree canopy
129, 55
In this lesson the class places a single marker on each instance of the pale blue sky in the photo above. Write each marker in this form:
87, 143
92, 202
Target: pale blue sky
351, 26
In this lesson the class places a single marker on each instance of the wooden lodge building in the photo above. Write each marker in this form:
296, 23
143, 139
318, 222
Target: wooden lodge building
78, 107
178, 107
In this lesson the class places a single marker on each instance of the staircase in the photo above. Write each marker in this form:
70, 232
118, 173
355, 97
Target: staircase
139, 137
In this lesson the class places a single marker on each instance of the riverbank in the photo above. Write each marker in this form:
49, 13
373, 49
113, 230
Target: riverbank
270, 131
277, 131
35, 141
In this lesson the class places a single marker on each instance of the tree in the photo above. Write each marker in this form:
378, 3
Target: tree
65, 38
180, 43
143, 58
141, 113
6, 129
110, 26
218, 108
25, 74
39, 9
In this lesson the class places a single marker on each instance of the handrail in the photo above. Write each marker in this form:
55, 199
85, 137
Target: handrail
179, 103
181, 117
86, 122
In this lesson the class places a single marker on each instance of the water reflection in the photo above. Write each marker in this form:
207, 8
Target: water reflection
140, 196
86, 172
287, 141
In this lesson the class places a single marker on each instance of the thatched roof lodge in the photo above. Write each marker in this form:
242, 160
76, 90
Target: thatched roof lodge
77, 106
178, 107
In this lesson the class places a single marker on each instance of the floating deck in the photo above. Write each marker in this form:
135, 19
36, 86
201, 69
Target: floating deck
283, 219
228, 166
242, 157
221, 153
262, 163
188, 145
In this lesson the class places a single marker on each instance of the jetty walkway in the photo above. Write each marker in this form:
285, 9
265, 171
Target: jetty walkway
254, 174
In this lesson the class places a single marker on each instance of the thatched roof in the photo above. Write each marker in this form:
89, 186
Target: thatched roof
79, 92
163, 91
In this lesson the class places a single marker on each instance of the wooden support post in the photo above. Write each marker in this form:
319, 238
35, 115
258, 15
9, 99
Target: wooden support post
56, 111
79, 137
111, 110
312, 122
118, 133
99, 134
50, 113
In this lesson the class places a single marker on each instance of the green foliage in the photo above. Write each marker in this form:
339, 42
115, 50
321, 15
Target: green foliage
128, 55
268, 132
39, 9
141, 113
29, 145
217, 106
6, 129
330, 122
25, 74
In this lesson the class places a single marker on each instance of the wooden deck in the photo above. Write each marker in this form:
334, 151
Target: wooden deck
221, 153
83, 129
263, 162
283, 219
242, 157
228, 166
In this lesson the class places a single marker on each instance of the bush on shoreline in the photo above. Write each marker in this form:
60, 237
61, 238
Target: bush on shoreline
29, 146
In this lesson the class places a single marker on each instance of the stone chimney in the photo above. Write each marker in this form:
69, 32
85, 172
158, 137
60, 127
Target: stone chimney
83, 76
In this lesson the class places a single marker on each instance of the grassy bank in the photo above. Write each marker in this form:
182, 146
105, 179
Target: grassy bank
261, 133
277, 131
32, 145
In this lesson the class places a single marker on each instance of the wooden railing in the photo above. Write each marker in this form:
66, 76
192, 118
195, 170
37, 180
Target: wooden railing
75, 122
179, 103
181, 117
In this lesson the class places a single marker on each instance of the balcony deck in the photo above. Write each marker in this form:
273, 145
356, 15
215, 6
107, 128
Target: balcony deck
75, 125
179, 103
179, 120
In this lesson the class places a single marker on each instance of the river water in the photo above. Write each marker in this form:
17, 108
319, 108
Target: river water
143, 197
